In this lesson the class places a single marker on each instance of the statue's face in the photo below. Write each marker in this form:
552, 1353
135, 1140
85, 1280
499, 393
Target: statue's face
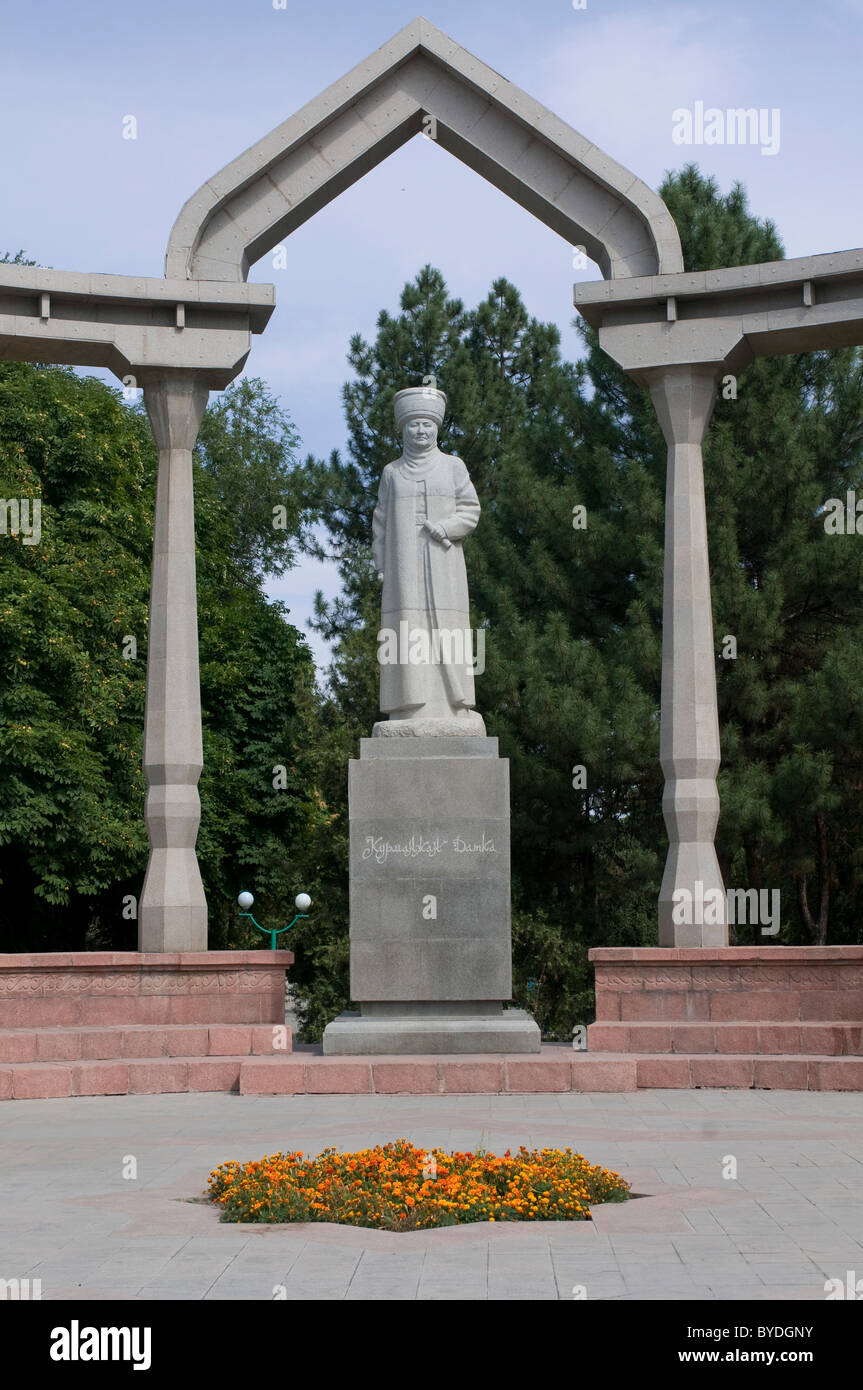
421, 433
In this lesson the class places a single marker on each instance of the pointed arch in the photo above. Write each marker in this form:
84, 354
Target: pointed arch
481, 118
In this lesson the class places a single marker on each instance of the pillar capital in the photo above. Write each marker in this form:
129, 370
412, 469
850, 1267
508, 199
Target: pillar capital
683, 398
175, 405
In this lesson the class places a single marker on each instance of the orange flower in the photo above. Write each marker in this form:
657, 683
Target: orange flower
361, 1187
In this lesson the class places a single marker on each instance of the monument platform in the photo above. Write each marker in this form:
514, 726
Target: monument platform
792, 990
88, 988
431, 949
241, 1060
780, 1017
117, 1023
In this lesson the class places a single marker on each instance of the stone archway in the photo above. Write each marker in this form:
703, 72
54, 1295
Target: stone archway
420, 80
188, 333
480, 117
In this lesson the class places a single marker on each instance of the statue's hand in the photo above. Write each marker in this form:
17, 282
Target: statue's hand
437, 533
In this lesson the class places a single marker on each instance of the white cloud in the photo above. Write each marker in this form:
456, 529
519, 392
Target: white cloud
619, 78
618, 81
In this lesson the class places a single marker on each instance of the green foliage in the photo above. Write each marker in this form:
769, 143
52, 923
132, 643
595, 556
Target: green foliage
71, 708
790, 703
258, 800
245, 447
72, 838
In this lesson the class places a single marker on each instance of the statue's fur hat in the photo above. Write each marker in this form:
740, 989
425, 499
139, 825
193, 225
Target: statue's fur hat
419, 400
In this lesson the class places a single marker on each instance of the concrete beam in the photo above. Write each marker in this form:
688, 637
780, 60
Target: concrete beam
501, 132
728, 317
130, 325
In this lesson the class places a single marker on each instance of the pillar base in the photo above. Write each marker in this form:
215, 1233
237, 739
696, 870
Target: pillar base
412, 1029
172, 913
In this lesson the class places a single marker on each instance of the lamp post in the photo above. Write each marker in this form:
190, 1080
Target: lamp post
302, 902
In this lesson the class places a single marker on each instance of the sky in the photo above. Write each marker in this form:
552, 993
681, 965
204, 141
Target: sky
205, 79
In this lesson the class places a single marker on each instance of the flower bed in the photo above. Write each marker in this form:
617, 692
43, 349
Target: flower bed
396, 1187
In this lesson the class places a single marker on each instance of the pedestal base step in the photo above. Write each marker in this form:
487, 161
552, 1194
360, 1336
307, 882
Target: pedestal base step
828, 1039
357, 1035
129, 1041
555, 1068
133, 1076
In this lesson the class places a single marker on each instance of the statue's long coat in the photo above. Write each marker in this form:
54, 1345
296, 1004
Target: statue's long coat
425, 584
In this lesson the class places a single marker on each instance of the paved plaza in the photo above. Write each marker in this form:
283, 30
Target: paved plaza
791, 1219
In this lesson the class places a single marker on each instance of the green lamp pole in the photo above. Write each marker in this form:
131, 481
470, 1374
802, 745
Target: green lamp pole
302, 902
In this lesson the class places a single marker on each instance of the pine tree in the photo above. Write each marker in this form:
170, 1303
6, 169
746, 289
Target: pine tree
788, 438
571, 604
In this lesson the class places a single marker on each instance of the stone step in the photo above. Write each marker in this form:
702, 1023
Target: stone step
142, 1040
554, 1069
777, 1073
550, 1071
830, 1039
131, 1076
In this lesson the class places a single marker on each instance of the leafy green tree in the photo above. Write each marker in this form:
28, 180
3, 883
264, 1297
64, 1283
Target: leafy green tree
246, 513
73, 640
259, 802
71, 706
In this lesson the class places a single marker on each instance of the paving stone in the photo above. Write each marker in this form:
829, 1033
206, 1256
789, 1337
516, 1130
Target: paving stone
71, 1221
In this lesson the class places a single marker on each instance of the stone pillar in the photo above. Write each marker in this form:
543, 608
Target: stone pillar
172, 914
689, 739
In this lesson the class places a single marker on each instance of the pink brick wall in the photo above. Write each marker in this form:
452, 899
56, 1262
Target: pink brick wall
108, 988
675, 999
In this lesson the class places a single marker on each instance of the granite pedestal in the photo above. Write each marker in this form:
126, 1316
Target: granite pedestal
431, 951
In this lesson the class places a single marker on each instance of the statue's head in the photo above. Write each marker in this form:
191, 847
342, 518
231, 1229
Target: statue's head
419, 413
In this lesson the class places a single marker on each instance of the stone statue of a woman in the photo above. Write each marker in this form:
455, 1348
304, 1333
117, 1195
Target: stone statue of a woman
427, 504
